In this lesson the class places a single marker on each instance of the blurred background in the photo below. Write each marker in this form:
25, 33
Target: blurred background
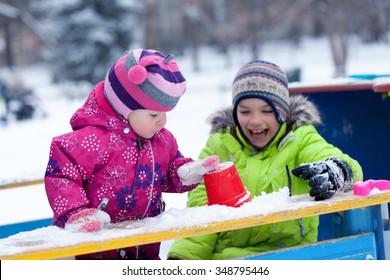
80, 39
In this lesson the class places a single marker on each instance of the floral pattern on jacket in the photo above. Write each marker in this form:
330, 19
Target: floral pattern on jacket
104, 158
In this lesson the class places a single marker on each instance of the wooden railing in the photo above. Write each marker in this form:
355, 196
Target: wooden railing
46, 243
20, 184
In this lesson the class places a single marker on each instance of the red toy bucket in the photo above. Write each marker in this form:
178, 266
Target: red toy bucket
224, 186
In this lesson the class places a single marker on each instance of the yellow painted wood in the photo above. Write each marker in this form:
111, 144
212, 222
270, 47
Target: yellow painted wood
336, 204
21, 184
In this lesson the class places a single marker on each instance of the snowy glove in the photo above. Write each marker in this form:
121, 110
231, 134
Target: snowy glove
87, 220
192, 173
325, 177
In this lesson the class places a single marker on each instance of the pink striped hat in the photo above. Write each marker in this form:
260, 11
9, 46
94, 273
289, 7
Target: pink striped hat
144, 79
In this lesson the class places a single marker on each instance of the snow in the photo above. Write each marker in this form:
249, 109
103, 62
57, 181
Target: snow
52, 237
173, 219
25, 145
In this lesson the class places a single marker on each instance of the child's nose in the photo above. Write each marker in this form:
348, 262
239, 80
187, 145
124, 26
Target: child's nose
161, 122
256, 120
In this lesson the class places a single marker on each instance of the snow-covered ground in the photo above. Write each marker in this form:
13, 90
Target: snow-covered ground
25, 145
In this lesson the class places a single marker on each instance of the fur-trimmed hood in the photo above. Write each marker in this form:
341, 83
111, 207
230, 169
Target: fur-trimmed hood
302, 112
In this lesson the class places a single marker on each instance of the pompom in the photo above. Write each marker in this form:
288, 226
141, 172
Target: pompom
137, 74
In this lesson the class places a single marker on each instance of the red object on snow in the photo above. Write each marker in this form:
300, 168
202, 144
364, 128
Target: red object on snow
364, 188
224, 186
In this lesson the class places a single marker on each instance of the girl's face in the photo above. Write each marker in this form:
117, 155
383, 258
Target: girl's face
146, 122
258, 121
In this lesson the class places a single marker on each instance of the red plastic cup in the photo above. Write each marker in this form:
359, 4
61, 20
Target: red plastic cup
224, 186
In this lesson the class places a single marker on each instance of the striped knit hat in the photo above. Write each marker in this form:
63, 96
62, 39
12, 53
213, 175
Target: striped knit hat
144, 79
264, 80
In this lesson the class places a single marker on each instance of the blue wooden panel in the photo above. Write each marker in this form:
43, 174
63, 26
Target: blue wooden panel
11, 229
326, 229
346, 223
358, 247
358, 123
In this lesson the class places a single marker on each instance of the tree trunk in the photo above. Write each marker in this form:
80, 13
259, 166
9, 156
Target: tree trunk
334, 20
8, 44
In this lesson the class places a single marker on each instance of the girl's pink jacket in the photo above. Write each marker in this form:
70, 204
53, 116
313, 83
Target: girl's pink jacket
103, 158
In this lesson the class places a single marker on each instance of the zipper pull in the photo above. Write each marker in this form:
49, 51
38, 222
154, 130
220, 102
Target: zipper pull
103, 204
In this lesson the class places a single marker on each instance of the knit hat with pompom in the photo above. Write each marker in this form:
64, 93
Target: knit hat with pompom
144, 79
264, 80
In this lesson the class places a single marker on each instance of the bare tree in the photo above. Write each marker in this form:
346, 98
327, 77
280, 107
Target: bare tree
334, 15
176, 26
151, 24
9, 15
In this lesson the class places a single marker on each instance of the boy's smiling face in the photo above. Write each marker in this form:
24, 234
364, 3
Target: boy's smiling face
258, 121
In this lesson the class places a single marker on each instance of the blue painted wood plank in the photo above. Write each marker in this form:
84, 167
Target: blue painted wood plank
11, 229
358, 247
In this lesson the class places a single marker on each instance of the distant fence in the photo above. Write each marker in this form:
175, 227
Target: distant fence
10, 229
20, 184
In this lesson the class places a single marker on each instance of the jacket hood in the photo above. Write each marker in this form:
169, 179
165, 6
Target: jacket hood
96, 111
302, 112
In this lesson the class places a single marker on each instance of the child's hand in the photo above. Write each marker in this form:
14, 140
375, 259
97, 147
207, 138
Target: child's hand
192, 173
325, 177
87, 220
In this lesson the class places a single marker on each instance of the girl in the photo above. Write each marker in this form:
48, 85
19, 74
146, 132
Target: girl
119, 158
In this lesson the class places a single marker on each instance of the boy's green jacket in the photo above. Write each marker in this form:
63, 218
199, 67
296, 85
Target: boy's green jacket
297, 142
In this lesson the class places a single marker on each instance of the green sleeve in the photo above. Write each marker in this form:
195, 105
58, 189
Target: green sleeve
313, 147
199, 247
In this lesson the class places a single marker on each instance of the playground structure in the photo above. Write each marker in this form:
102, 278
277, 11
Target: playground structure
356, 118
